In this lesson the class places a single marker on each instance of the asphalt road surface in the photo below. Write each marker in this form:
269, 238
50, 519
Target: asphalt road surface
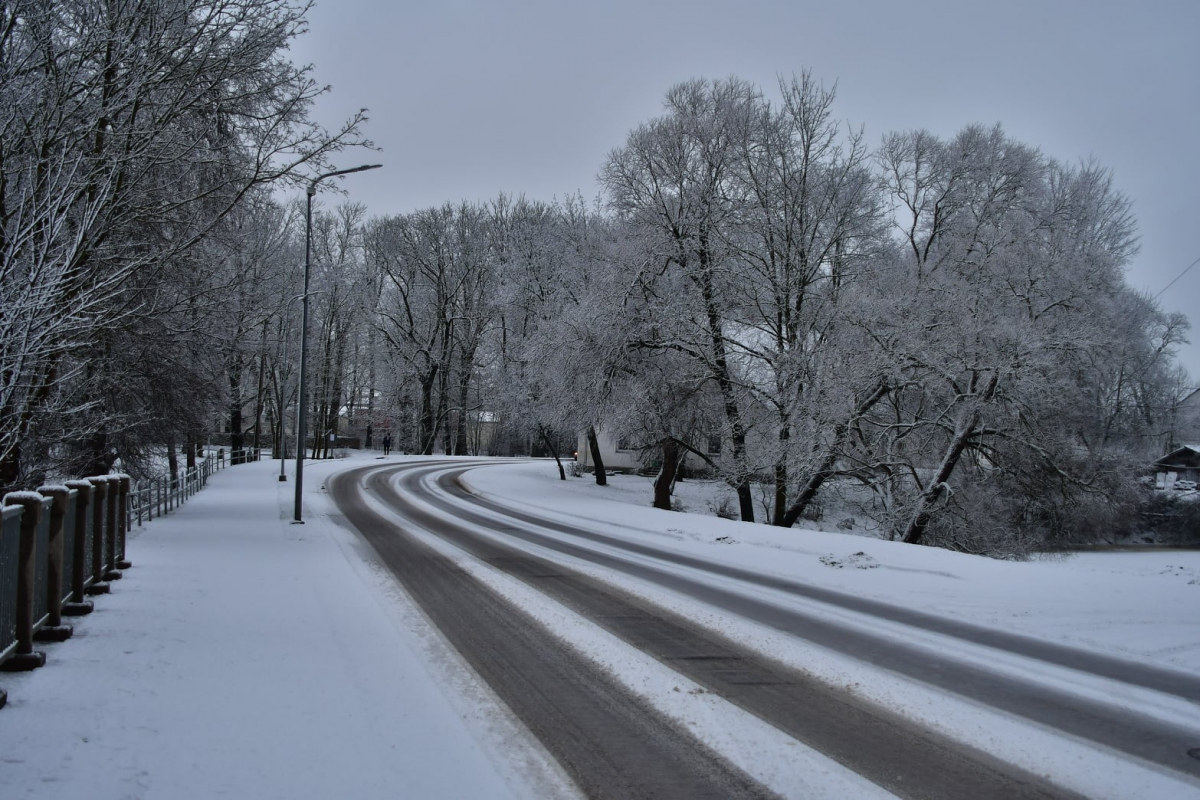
614, 745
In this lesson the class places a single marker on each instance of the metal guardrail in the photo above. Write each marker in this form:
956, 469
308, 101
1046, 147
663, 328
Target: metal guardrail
62, 543
162, 495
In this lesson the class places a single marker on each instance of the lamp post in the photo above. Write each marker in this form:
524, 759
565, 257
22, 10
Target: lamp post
283, 403
302, 400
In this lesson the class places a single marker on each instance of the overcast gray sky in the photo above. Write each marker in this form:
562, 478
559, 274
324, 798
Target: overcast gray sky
469, 98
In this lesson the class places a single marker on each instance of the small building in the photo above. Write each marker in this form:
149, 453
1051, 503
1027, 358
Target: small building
1182, 464
625, 454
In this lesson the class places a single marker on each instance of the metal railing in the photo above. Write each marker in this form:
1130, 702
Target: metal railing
60, 544
162, 495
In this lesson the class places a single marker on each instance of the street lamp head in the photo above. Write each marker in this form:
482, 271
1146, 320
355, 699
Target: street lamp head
312, 185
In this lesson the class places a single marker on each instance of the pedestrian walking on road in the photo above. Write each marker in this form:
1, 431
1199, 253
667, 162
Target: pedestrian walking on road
387, 443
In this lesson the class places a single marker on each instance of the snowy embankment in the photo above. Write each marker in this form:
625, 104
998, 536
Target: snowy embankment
1137, 606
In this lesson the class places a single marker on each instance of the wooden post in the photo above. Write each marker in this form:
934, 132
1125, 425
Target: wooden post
111, 527
25, 657
77, 606
99, 493
122, 521
54, 630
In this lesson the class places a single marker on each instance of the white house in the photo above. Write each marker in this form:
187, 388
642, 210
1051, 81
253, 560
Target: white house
625, 456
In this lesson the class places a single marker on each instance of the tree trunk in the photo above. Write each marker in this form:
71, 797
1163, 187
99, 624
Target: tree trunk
258, 403
236, 442
664, 483
370, 384
259, 400
172, 461
562, 473
10, 468
464, 395
597, 459
447, 446
923, 512
745, 500
963, 431
97, 458
189, 446
426, 433
826, 469
720, 373
781, 476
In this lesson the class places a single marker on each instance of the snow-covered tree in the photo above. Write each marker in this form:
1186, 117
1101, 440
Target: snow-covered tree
131, 130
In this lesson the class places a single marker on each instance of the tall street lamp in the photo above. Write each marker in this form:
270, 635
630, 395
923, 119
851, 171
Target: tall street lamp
302, 400
283, 400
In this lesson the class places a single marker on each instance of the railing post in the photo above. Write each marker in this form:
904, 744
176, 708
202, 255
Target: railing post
54, 630
77, 606
111, 528
122, 521
25, 658
99, 495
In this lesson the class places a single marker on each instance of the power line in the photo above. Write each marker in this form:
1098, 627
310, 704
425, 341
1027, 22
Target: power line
1177, 277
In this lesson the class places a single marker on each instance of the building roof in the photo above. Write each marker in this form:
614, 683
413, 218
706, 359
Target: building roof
1187, 452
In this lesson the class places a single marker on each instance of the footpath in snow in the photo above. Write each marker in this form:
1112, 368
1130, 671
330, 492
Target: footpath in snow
243, 656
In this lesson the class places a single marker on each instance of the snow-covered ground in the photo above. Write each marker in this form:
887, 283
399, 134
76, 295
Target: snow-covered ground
1139, 605
247, 657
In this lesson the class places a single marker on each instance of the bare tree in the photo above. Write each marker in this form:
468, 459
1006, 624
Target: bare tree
672, 182
132, 129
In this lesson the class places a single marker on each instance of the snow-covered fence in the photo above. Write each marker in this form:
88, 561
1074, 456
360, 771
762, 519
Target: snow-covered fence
21, 578
62, 543
161, 495
242, 455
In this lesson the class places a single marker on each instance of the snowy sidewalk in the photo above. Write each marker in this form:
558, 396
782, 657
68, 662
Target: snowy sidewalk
244, 656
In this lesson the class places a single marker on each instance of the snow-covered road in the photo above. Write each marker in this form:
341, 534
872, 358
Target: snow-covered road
1004, 690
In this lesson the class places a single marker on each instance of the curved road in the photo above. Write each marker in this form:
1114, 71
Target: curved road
548, 686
